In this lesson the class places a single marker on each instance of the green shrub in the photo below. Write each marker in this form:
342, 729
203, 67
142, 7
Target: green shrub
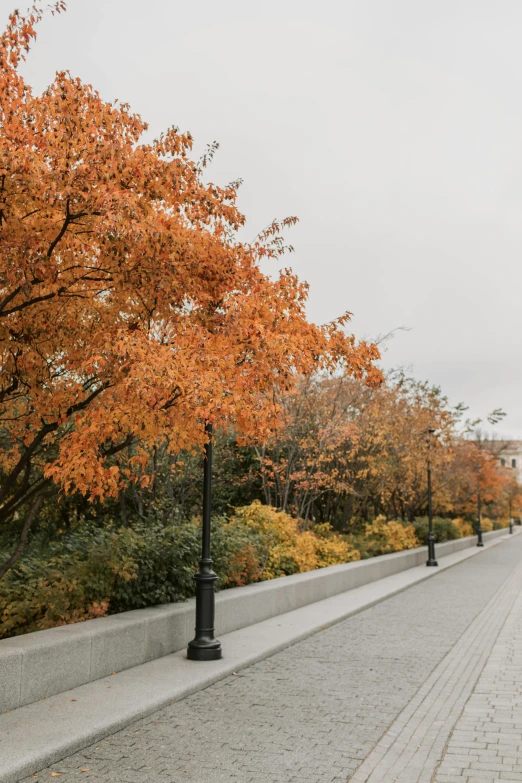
91, 571
165, 559
444, 529
68, 582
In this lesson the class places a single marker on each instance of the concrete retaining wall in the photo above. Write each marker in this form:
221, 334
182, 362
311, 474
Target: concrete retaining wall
48, 662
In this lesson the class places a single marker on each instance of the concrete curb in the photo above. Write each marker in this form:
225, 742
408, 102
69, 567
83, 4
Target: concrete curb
42, 664
38, 735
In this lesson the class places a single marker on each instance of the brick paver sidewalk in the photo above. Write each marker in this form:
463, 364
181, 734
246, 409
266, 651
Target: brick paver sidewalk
370, 691
412, 749
486, 743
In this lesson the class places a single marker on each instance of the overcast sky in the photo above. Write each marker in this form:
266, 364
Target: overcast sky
391, 128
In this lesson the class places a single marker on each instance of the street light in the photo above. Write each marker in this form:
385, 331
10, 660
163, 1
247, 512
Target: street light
204, 647
479, 527
510, 518
431, 561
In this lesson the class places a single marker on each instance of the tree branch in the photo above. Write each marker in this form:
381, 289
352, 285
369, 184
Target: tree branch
37, 440
129, 440
28, 302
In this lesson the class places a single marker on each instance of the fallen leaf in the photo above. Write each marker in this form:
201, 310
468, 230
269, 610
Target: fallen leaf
85, 769
74, 699
56, 774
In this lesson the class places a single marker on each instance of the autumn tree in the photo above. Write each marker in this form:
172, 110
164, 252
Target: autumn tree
350, 450
306, 458
130, 313
475, 470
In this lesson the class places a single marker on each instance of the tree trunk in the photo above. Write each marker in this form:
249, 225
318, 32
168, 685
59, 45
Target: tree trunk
37, 502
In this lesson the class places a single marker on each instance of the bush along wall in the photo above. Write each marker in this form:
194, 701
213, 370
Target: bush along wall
93, 570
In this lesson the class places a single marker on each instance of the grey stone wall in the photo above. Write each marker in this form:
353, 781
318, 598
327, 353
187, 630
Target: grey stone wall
45, 663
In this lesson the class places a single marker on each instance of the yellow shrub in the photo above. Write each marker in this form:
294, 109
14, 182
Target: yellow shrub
382, 537
486, 524
291, 550
464, 527
332, 549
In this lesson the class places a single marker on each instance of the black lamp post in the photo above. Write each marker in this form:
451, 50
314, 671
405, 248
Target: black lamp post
510, 518
204, 647
431, 561
479, 520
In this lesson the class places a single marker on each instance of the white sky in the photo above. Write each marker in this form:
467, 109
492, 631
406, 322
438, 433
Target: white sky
392, 128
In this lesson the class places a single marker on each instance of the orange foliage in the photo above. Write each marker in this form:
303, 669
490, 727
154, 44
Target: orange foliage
348, 447
350, 452
474, 469
129, 311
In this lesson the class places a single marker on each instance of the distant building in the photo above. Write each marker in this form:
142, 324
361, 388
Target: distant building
509, 455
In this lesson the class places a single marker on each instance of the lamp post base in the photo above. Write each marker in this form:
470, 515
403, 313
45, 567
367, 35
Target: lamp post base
196, 653
204, 647
431, 561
